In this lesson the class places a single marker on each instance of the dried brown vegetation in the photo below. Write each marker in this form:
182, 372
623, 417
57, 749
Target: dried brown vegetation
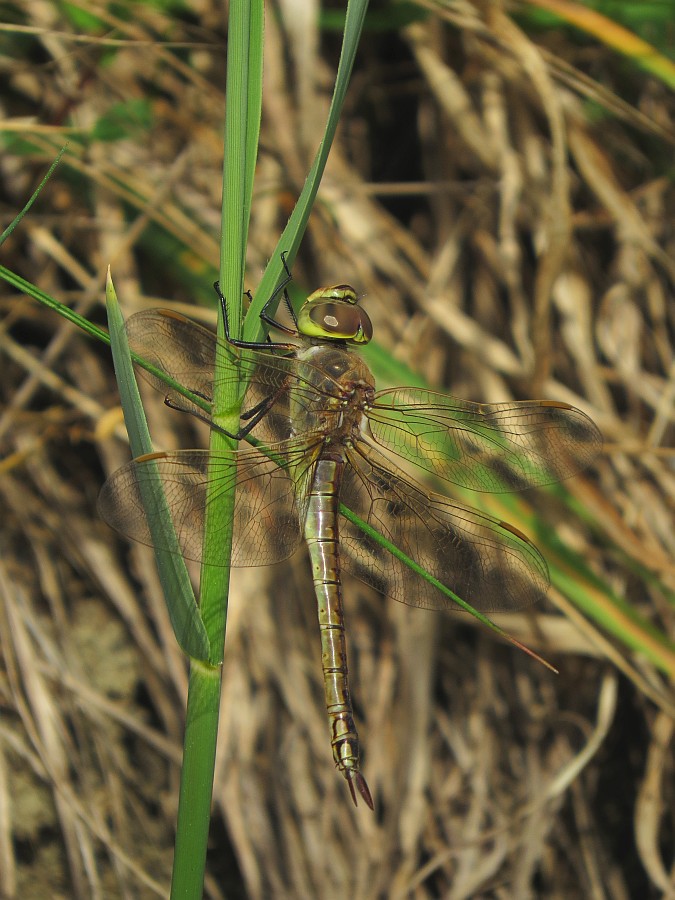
509, 245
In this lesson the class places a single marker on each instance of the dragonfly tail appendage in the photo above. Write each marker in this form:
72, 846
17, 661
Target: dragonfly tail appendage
345, 745
356, 778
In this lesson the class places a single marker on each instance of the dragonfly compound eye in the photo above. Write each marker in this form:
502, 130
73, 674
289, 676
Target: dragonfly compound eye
335, 320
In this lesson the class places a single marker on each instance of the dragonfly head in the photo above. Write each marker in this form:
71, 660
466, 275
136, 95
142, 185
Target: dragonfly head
332, 314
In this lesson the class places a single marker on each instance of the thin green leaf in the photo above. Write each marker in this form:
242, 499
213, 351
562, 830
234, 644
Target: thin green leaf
15, 221
242, 127
244, 104
181, 604
374, 535
294, 231
31, 290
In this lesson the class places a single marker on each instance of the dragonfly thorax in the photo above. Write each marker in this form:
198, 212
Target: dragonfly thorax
332, 314
342, 387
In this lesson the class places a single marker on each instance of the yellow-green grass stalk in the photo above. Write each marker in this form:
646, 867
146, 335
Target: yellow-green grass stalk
244, 100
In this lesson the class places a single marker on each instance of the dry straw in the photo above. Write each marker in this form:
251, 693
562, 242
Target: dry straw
500, 195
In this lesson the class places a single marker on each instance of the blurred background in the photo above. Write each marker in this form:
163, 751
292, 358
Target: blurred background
501, 195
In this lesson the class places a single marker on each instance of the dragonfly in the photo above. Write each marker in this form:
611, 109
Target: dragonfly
325, 459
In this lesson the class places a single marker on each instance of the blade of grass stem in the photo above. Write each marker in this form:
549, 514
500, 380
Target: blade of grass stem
293, 233
422, 573
15, 221
32, 290
180, 600
242, 126
613, 35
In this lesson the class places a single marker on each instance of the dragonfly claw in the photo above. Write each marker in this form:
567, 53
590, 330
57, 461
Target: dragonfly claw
356, 778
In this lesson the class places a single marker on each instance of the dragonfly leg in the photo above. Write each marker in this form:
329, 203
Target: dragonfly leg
172, 404
251, 416
264, 345
264, 315
250, 345
259, 411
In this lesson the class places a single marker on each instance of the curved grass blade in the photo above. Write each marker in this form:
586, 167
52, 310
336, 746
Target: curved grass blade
422, 573
181, 604
242, 124
36, 193
292, 234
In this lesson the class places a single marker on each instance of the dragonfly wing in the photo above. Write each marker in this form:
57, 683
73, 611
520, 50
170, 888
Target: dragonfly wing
177, 347
481, 559
266, 516
485, 446
186, 352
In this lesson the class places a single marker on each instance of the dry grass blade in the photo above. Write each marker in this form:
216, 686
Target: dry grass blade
649, 809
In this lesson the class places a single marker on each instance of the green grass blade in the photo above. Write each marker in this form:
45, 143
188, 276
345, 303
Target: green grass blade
15, 221
571, 574
612, 33
294, 231
242, 128
181, 604
183, 611
32, 290
596, 599
242, 125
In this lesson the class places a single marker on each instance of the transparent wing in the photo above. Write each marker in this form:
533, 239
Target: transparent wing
481, 559
268, 511
186, 352
485, 446
176, 346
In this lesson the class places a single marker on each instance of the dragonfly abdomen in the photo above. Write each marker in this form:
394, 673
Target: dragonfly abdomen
321, 534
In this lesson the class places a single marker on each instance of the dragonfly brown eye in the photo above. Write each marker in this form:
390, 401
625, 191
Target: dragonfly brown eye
334, 319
